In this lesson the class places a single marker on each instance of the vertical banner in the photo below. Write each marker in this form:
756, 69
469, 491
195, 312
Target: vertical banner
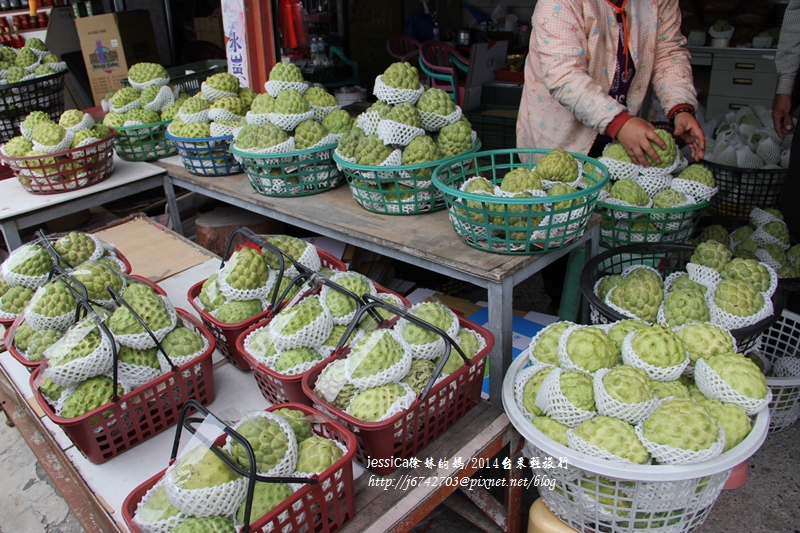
233, 24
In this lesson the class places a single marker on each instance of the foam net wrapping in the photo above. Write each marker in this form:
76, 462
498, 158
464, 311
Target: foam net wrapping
191, 118
762, 238
677, 165
730, 321
392, 160
327, 292
142, 341
368, 122
141, 86
212, 95
275, 87
221, 130
677, 218
564, 358
397, 133
220, 114
430, 350
705, 276
165, 525
654, 184
784, 367
164, 98
624, 213
552, 401
393, 374
657, 373
134, 376
136, 104
535, 340
716, 34
271, 361
583, 446
87, 122
325, 141
288, 122
287, 464
182, 360
311, 335
702, 192
607, 405
520, 381
331, 380
393, 95
669, 455
259, 119
712, 385
16, 258
320, 112
620, 170
220, 500
764, 257
400, 404
233, 293
98, 362
759, 217
41, 322
435, 122
65, 143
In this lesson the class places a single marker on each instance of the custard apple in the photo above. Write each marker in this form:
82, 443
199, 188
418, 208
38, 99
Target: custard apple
52, 300
698, 173
70, 118
338, 121
263, 103
578, 388
348, 143
333, 387
266, 497
469, 343
639, 296
286, 71
666, 155
246, 95
754, 272
75, 247
740, 373
738, 297
683, 306
182, 342
100, 131
732, 418
778, 230
546, 349
88, 396
296, 356
419, 375
48, 134
714, 232
421, 149
124, 96
207, 524
224, 82
562, 189
455, 138
615, 150
147, 304
552, 428
113, 120
371, 151
268, 439
374, 353
319, 97
613, 436
401, 76
776, 252
291, 102
607, 283
23, 332
156, 508
746, 249
521, 179
591, 349
245, 270
668, 198
15, 74
196, 130
146, 358
557, 165
201, 468
40, 341
210, 295
194, 105
234, 312
18, 146
711, 254
436, 101
705, 340
405, 113
308, 133
372, 404
13, 302
230, 103
339, 303
681, 423
379, 107
630, 192
628, 384
665, 389
432, 312
741, 233
26, 58
658, 346
144, 72
43, 70
290, 320
531, 390
620, 330
297, 419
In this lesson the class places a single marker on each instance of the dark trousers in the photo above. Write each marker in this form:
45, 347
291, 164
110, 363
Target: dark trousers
791, 190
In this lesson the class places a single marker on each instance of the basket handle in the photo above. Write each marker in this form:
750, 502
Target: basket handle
86, 306
249, 473
57, 273
373, 302
360, 300
119, 300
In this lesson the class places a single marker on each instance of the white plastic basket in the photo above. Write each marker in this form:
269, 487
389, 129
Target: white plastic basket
781, 340
594, 495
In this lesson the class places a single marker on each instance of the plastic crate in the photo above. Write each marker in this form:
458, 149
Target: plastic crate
406, 433
666, 258
496, 126
740, 190
277, 387
17, 100
516, 226
322, 507
226, 334
395, 189
65, 171
208, 156
291, 174
594, 495
189, 77
109, 430
782, 340
146, 142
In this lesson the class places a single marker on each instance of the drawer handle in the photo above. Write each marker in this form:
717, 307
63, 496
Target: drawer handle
745, 66
742, 81
735, 107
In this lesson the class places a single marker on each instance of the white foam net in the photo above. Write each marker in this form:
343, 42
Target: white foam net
705, 276
65, 143
141, 86
136, 104
259, 119
434, 121
191, 118
759, 217
86, 123
320, 112
712, 385
164, 98
692, 188
393, 374
607, 405
784, 367
221, 499
400, 404
288, 122
134, 376
368, 122
275, 87
221, 130
98, 362
520, 381
716, 34
397, 133
392, 95
620, 170
657, 373
282, 148
165, 525
326, 292
212, 95
676, 456
392, 160
311, 335
217, 113
762, 238
583, 446
654, 184
552, 401
287, 464
430, 350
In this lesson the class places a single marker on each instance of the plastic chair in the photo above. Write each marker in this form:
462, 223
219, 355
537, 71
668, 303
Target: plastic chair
444, 65
334, 53
403, 47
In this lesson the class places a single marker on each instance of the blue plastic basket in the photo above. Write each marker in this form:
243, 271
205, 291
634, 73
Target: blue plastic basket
209, 156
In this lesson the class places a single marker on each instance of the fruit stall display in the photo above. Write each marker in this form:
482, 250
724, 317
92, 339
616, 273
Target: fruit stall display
50, 157
305, 332
141, 112
291, 130
680, 285
31, 79
400, 386
648, 447
658, 203
749, 161
520, 201
251, 285
252, 476
389, 158
204, 125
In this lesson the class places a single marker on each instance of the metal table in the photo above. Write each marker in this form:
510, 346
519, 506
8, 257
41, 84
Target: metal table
427, 241
20, 209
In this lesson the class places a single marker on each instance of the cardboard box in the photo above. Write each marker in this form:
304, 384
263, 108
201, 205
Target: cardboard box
113, 42
209, 29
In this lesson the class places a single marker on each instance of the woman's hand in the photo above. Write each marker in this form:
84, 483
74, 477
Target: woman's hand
688, 129
782, 114
636, 136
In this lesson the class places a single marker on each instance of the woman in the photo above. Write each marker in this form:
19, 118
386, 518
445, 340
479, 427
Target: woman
589, 66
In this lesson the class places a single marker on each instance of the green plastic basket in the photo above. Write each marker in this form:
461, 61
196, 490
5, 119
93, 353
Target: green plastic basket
623, 225
145, 142
397, 189
289, 174
516, 225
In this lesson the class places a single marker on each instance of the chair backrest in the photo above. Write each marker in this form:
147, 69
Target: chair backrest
402, 47
336, 52
441, 62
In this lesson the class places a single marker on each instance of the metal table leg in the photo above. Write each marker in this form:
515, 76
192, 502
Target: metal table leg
172, 206
501, 299
11, 235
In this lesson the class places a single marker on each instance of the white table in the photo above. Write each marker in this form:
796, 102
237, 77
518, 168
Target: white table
20, 209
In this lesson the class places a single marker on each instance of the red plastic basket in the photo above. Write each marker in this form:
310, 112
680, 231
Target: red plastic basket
64, 171
320, 508
408, 432
226, 334
277, 387
142, 413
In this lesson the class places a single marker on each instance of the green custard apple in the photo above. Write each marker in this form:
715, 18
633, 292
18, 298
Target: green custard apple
681, 423
613, 436
546, 349
557, 165
591, 349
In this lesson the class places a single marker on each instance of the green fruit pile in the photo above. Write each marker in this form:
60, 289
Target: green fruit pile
29, 62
